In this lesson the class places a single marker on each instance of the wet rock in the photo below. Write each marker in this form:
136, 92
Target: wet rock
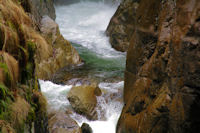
62, 123
39, 8
49, 28
61, 52
85, 128
161, 91
83, 100
121, 26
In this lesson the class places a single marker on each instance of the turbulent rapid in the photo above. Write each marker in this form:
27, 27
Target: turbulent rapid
83, 23
57, 100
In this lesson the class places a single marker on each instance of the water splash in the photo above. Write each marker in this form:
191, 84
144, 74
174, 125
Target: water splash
85, 23
57, 101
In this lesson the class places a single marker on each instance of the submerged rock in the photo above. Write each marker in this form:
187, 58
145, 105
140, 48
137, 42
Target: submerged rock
85, 128
83, 100
162, 81
63, 123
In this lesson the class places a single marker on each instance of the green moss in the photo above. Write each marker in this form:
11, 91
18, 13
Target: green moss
3, 91
6, 98
31, 115
31, 49
11, 25
5, 109
36, 84
24, 51
6, 72
4, 67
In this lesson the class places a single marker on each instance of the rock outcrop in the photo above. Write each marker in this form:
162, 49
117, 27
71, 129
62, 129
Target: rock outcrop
121, 26
39, 8
162, 77
59, 52
83, 100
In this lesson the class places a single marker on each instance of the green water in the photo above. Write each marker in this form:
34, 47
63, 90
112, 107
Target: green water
100, 67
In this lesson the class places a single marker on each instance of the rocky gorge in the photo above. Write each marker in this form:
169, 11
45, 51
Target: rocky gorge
83, 85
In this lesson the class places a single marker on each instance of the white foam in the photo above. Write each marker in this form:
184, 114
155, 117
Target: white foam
56, 97
56, 94
85, 23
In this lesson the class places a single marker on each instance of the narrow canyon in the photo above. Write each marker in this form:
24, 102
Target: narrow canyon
99, 66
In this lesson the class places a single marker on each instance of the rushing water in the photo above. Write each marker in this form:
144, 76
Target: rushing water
84, 23
57, 100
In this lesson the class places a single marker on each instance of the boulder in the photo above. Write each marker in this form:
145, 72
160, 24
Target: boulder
85, 128
83, 100
63, 123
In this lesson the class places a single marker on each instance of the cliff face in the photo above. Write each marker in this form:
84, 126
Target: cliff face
162, 77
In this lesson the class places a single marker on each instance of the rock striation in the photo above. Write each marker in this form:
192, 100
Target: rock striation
162, 77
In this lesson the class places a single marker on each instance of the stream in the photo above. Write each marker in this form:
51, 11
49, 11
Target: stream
83, 23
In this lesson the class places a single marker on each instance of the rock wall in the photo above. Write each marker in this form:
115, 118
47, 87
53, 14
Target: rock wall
58, 51
162, 77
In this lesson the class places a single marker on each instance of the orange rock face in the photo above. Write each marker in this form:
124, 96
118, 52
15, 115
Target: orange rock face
162, 77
